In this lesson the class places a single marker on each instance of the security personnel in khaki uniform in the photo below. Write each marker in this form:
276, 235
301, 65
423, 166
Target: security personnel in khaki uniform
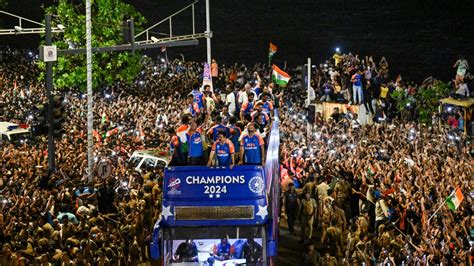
328, 260
333, 239
341, 190
339, 215
308, 212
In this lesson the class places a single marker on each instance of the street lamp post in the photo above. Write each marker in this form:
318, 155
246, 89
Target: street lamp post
208, 31
90, 104
49, 88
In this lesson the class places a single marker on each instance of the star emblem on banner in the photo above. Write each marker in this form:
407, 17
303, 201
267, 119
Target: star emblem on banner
211, 196
167, 212
218, 195
262, 211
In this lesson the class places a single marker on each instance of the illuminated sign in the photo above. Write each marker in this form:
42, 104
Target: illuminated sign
242, 182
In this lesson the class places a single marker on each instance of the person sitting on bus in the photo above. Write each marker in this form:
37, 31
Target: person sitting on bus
252, 252
252, 149
219, 127
223, 250
187, 251
223, 149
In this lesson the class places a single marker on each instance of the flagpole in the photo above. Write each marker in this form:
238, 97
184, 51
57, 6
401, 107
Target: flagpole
308, 76
442, 204
408, 239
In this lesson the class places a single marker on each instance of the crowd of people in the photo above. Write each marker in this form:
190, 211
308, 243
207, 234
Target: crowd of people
374, 193
365, 193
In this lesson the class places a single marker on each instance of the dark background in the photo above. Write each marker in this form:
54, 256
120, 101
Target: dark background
418, 37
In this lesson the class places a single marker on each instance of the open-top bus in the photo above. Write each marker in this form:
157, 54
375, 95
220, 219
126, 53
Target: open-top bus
220, 216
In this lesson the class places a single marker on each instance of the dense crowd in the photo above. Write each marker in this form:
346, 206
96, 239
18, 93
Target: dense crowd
375, 193
365, 192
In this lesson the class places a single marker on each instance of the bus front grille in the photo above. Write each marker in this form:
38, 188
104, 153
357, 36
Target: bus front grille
187, 213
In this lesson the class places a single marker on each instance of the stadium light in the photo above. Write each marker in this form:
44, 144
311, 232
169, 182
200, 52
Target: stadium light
154, 39
18, 29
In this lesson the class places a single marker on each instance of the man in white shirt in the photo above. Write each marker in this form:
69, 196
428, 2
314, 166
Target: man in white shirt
230, 101
355, 123
463, 90
242, 96
381, 211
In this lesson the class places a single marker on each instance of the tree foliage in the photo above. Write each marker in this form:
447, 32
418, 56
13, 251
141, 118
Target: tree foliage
107, 29
3, 3
426, 98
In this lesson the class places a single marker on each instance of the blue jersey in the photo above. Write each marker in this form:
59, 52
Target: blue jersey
256, 90
215, 130
262, 117
267, 107
198, 98
222, 249
252, 146
195, 148
235, 137
247, 107
357, 80
194, 109
224, 152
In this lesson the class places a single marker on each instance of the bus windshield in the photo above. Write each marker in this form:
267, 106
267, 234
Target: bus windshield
19, 136
214, 245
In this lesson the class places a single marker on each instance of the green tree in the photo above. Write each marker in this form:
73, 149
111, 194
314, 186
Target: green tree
426, 99
3, 3
107, 29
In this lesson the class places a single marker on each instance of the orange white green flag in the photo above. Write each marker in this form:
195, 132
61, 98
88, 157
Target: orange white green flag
455, 199
280, 77
272, 50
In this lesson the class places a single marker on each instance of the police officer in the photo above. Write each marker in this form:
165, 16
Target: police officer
308, 212
333, 239
291, 202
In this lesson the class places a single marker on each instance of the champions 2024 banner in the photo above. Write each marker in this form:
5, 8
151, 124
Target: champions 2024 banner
241, 182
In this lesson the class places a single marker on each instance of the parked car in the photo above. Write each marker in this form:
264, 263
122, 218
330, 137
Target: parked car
148, 159
13, 133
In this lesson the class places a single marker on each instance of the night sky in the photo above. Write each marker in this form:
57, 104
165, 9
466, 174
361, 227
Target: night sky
418, 37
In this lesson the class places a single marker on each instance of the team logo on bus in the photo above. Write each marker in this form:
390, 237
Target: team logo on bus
256, 184
173, 186
174, 183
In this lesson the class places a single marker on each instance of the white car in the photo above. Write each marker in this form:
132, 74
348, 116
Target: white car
13, 133
148, 159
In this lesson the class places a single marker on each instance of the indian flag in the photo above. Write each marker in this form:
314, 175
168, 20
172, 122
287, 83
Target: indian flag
103, 119
455, 199
280, 77
370, 170
272, 50
181, 132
